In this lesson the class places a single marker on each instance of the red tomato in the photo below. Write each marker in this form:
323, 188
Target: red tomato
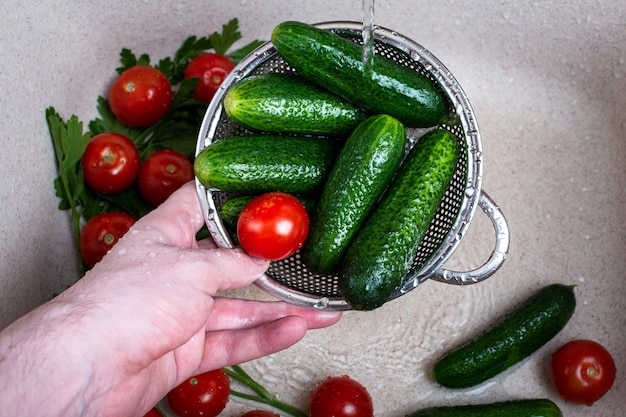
340, 397
201, 395
162, 173
100, 233
211, 68
110, 163
154, 412
273, 226
583, 371
259, 413
140, 96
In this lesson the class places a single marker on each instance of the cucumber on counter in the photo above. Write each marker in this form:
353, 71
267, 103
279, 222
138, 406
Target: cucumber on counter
335, 63
254, 164
365, 165
509, 340
286, 103
513, 408
382, 251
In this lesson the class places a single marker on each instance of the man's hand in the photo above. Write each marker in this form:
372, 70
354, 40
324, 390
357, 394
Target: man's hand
143, 320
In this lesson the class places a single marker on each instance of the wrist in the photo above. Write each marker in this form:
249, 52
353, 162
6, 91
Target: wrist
43, 346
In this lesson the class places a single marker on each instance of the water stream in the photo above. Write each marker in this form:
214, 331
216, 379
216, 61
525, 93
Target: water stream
368, 35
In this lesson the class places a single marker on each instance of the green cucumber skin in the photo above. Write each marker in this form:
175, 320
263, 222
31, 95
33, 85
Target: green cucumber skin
231, 208
382, 252
363, 169
286, 103
517, 408
509, 340
255, 164
336, 64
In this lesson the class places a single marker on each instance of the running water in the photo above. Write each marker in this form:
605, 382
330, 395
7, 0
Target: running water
368, 35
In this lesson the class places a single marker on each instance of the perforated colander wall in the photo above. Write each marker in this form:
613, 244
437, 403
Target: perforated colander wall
455, 210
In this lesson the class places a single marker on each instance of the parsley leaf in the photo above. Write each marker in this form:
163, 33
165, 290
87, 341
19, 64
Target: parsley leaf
107, 122
128, 59
237, 55
69, 144
230, 34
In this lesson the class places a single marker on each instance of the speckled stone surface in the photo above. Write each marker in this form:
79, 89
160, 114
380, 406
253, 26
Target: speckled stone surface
547, 81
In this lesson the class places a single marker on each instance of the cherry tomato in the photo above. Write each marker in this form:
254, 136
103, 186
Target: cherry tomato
110, 163
340, 397
211, 68
201, 395
140, 96
259, 413
100, 233
582, 371
162, 173
273, 226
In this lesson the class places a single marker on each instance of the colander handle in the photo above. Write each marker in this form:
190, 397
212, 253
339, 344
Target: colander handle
497, 256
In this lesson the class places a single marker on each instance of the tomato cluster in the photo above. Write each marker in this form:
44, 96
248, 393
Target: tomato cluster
140, 97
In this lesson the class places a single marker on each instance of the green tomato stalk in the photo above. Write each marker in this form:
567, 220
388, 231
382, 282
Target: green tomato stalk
261, 395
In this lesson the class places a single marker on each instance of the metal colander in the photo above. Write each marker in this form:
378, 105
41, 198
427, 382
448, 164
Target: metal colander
289, 279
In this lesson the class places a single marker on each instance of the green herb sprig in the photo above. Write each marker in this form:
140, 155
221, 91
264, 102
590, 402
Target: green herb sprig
259, 394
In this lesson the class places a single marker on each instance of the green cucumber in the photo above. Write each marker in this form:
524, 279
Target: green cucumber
518, 408
255, 164
231, 208
336, 64
382, 252
509, 340
364, 167
287, 103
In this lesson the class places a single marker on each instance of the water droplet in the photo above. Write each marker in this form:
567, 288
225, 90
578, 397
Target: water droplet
151, 255
322, 303
122, 251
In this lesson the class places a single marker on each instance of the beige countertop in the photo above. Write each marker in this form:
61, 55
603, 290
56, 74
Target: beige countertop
547, 81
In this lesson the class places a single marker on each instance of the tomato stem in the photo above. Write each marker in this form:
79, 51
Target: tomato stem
592, 372
263, 395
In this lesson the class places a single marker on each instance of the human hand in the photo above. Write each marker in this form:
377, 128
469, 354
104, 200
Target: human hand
145, 318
